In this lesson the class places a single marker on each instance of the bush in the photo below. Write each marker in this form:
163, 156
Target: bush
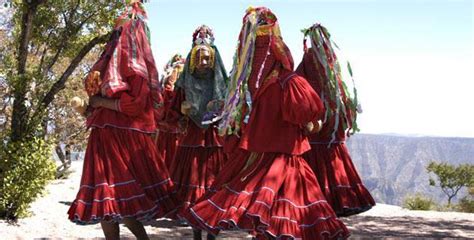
25, 169
466, 204
418, 202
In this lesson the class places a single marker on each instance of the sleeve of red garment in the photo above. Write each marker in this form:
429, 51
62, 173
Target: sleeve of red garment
173, 112
133, 101
300, 70
159, 111
301, 104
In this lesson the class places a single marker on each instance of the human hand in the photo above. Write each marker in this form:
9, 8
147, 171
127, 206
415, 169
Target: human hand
215, 106
313, 127
95, 101
186, 108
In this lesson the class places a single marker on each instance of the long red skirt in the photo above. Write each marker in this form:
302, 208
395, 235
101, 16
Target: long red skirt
167, 143
123, 176
277, 195
193, 172
338, 179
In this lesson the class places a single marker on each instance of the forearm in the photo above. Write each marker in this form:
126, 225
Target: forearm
111, 104
108, 103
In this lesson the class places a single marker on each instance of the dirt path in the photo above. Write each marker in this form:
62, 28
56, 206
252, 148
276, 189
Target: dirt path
49, 220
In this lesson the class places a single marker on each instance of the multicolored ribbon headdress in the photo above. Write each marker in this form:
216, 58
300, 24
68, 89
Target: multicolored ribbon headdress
176, 60
203, 37
258, 21
334, 92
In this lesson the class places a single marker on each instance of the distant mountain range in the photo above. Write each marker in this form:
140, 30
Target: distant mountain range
393, 167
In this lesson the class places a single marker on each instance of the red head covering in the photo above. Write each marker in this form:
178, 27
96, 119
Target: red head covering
127, 54
260, 52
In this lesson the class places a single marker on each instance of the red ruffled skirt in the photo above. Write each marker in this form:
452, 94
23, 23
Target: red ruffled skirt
123, 176
338, 179
167, 143
277, 195
193, 172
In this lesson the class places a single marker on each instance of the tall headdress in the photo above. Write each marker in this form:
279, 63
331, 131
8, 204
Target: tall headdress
258, 21
334, 92
203, 37
199, 90
127, 53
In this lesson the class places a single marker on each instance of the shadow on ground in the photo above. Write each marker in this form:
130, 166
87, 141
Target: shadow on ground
168, 229
363, 227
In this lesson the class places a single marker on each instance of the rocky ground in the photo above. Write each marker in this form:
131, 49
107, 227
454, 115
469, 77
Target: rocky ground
49, 221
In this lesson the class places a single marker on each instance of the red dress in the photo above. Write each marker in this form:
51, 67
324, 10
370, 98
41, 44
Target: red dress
332, 163
168, 132
199, 158
123, 173
267, 188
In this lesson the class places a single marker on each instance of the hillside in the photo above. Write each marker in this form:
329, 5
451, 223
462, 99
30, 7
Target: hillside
394, 166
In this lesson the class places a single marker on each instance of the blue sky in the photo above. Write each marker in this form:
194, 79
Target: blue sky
413, 60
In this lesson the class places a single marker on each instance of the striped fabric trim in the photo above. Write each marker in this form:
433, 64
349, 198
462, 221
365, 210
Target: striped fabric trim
327, 143
269, 206
249, 193
119, 199
122, 183
200, 146
157, 184
106, 184
263, 229
191, 185
119, 127
344, 186
115, 216
109, 199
